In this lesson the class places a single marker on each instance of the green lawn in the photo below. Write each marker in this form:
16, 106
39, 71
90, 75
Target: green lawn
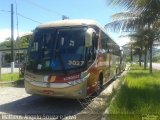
9, 77
139, 96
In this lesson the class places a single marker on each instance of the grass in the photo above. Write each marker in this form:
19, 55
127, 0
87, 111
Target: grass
138, 96
10, 77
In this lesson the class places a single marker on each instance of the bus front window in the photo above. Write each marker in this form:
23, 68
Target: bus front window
60, 49
70, 50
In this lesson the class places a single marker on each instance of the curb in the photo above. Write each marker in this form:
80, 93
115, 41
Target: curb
95, 110
116, 88
98, 107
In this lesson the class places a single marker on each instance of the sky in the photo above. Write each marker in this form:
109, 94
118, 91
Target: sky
34, 12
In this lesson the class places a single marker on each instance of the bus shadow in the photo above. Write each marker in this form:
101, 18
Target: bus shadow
19, 84
42, 105
47, 105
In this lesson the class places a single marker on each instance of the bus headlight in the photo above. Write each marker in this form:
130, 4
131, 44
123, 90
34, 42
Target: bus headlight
45, 79
83, 77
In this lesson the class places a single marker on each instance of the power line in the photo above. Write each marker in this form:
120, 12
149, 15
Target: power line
47, 9
22, 16
29, 18
44, 8
5, 11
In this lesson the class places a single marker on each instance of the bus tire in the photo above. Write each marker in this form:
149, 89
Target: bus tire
99, 84
115, 74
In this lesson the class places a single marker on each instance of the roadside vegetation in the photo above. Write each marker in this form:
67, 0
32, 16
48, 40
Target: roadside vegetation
138, 96
9, 77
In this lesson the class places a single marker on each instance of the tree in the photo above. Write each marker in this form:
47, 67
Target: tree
137, 42
7, 44
23, 42
142, 14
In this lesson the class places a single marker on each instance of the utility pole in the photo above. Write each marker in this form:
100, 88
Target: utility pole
12, 39
0, 65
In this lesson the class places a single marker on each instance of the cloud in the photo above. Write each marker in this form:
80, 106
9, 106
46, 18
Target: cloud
123, 40
5, 33
118, 38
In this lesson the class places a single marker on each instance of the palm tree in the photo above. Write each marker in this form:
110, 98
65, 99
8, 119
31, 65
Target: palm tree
139, 43
143, 14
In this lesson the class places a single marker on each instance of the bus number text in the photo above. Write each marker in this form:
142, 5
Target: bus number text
75, 63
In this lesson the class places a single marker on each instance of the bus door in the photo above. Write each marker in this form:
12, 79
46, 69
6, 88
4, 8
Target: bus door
108, 58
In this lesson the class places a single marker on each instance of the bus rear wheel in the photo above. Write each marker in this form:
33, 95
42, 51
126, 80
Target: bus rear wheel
99, 84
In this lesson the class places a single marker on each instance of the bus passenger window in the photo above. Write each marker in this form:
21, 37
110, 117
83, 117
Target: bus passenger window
89, 55
92, 49
94, 45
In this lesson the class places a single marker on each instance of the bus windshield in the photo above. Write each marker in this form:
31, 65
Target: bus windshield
60, 49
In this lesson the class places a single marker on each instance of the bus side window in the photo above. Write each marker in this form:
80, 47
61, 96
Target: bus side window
94, 45
89, 54
92, 49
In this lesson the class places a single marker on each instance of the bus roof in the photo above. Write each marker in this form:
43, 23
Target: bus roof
69, 22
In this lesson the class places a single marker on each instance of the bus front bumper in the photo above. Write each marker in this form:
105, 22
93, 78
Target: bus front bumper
61, 90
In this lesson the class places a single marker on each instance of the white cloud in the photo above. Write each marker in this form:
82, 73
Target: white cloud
5, 33
123, 40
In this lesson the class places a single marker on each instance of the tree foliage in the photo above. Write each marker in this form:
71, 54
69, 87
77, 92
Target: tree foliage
141, 15
7, 44
21, 42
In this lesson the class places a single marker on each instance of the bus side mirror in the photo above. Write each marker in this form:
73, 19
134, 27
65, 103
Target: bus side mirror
88, 37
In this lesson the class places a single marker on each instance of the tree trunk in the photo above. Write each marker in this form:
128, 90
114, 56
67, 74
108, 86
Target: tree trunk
141, 49
150, 53
131, 54
145, 58
150, 50
140, 56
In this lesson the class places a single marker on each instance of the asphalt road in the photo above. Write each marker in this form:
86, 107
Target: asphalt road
17, 101
156, 66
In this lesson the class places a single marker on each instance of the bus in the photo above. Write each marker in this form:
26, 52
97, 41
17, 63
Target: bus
70, 59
